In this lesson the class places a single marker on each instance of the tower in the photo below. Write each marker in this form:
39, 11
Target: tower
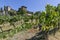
6, 10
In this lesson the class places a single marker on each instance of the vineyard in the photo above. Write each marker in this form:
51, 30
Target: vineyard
47, 21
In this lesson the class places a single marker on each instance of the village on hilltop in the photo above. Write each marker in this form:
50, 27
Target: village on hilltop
7, 10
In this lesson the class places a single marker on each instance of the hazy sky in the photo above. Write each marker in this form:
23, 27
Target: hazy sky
32, 5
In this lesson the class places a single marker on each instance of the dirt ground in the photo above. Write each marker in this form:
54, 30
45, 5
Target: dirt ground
56, 37
23, 35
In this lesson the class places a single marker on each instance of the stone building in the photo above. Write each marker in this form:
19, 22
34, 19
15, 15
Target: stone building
24, 8
6, 10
